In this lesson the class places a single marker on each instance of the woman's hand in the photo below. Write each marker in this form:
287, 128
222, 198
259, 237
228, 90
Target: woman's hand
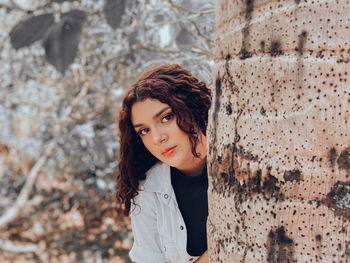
203, 258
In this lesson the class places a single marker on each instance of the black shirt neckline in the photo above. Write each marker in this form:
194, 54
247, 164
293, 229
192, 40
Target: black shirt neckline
190, 178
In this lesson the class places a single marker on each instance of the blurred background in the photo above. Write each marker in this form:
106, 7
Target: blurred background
65, 66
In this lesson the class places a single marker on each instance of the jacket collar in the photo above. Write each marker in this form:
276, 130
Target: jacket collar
158, 179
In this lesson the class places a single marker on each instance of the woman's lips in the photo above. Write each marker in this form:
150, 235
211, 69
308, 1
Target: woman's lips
169, 151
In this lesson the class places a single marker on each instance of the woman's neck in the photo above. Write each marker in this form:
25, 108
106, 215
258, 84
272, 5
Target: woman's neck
195, 170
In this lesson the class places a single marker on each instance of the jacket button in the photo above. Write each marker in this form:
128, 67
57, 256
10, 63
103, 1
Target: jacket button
181, 228
166, 196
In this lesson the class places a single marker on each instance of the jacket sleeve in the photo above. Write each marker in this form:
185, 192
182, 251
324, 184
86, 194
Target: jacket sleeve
147, 246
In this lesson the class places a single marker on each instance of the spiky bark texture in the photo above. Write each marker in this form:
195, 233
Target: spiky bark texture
279, 132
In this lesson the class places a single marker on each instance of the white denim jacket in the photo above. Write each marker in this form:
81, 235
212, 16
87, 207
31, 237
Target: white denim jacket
159, 230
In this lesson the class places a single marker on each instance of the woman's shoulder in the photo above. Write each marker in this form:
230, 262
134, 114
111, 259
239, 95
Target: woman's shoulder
157, 178
157, 168
149, 187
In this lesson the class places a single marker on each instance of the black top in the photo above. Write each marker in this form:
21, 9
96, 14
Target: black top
192, 199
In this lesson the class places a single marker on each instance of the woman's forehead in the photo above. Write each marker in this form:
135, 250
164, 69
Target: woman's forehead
147, 110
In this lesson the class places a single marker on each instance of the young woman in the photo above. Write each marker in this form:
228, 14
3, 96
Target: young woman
162, 180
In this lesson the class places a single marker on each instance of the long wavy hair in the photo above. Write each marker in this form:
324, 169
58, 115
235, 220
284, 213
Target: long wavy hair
189, 100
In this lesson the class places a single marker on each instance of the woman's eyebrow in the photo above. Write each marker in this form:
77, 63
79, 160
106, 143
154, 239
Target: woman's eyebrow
154, 117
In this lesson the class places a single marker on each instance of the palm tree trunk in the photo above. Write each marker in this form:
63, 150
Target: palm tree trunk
279, 132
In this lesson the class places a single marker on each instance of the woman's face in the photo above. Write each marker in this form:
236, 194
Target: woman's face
156, 124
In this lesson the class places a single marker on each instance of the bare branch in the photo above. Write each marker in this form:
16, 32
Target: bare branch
3, 44
13, 5
18, 248
159, 49
13, 212
198, 50
198, 33
190, 11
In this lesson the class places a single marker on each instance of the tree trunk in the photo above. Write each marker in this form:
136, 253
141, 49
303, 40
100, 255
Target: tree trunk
279, 132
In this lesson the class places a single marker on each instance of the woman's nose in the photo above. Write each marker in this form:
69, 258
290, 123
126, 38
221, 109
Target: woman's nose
159, 136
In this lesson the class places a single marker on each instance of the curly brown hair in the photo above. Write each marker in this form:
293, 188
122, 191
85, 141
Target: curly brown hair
189, 100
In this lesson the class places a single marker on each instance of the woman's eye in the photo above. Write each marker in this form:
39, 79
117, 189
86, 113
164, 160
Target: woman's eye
143, 132
167, 117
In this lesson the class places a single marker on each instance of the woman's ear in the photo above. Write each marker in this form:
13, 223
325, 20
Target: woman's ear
200, 137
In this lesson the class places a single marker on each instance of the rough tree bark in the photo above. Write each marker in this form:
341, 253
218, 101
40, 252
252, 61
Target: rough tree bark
279, 132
